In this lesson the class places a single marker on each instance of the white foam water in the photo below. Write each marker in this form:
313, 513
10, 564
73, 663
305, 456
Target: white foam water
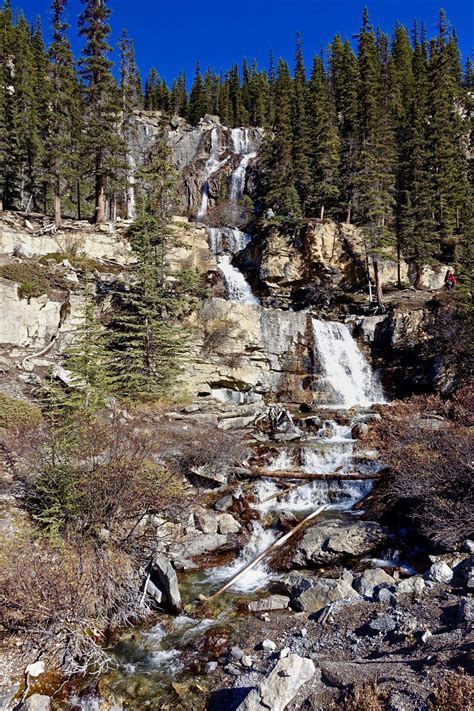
213, 164
345, 367
238, 288
227, 240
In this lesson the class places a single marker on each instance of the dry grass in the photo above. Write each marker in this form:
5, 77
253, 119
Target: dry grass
454, 693
365, 696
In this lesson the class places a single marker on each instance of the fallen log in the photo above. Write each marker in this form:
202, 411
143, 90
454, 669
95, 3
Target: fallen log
266, 552
332, 476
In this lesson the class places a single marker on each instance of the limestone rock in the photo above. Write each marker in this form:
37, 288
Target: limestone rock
335, 540
411, 586
205, 521
273, 602
372, 579
268, 645
36, 702
228, 524
322, 592
281, 685
168, 581
440, 573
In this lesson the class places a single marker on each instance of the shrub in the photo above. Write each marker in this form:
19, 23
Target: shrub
454, 693
217, 332
33, 280
430, 466
365, 696
18, 414
61, 600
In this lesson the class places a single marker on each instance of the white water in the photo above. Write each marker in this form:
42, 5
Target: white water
345, 367
238, 289
227, 240
213, 164
242, 145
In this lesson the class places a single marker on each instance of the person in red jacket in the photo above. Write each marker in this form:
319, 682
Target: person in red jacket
450, 280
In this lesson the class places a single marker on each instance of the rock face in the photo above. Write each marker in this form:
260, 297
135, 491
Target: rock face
281, 685
27, 321
334, 541
168, 581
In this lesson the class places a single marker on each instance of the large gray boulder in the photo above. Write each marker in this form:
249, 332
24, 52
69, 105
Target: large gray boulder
323, 592
333, 541
273, 602
280, 686
371, 579
168, 582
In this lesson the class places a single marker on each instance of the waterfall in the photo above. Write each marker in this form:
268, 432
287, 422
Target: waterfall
242, 145
213, 164
227, 240
345, 368
238, 289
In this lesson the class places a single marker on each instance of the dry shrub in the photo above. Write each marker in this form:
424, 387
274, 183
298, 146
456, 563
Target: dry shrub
61, 600
430, 465
18, 414
454, 693
217, 333
102, 475
365, 696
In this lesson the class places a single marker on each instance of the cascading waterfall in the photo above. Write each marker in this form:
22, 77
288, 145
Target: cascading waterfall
213, 164
346, 370
238, 288
242, 145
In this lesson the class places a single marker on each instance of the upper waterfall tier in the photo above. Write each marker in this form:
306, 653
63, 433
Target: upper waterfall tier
347, 371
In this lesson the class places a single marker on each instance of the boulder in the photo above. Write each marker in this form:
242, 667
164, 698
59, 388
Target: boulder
280, 686
224, 503
36, 702
371, 579
274, 602
268, 645
205, 521
228, 524
466, 610
383, 624
168, 581
323, 592
464, 573
360, 430
411, 586
440, 573
333, 541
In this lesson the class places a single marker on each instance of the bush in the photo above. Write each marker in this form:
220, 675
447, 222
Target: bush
62, 600
430, 466
18, 414
217, 332
454, 693
33, 280
365, 696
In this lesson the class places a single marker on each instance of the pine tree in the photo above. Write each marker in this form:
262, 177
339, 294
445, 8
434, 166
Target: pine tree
130, 91
147, 341
179, 96
301, 139
324, 149
151, 90
64, 117
102, 144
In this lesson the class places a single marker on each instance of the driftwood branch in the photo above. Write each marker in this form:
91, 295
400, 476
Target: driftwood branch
266, 552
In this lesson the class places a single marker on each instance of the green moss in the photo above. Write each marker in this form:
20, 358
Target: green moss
18, 413
79, 261
33, 279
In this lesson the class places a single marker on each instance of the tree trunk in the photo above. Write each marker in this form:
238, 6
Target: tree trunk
378, 285
418, 274
99, 201
348, 214
57, 206
78, 195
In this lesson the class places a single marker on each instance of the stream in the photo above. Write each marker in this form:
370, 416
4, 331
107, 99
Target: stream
153, 663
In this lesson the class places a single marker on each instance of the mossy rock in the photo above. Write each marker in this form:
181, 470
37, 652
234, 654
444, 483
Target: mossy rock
16, 413
33, 279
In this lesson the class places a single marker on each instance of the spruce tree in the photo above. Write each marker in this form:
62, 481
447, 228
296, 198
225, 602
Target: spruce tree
179, 96
64, 117
301, 138
324, 150
130, 91
197, 98
102, 144
147, 341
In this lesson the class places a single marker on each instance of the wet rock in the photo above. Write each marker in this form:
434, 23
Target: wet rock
224, 503
411, 586
168, 581
333, 541
468, 544
36, 702
155, 593
228, 524
440, 573
372, 579
360, 431
274, 602
322, 592
268, 645
280, 686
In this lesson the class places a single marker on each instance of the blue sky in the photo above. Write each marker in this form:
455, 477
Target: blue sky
173, 35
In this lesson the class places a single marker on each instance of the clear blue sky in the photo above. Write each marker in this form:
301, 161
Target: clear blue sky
174, 34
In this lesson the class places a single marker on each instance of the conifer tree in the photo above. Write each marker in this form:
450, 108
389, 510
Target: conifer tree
64, 117
299, 119
103, 147
179, 96
151, 90
130, 91
147, 341
324, 150
197, 98
345, 85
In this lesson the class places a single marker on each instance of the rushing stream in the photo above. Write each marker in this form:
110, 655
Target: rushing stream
148, 660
